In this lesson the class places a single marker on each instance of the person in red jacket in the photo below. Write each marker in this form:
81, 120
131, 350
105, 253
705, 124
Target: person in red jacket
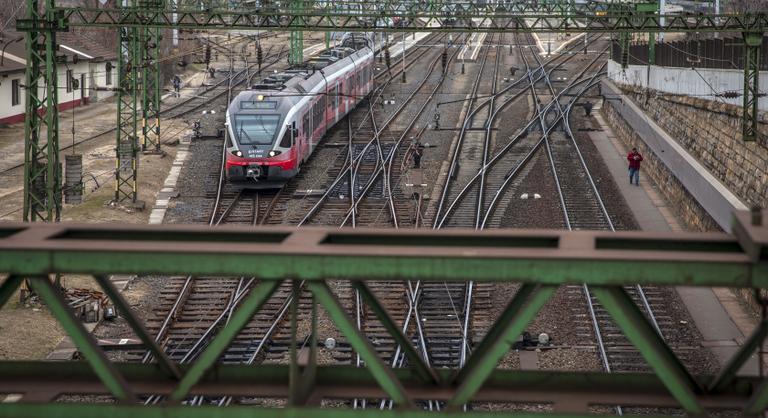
634, 159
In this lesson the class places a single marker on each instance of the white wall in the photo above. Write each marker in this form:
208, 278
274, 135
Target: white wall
6, 110
95, 76
99, 81
702, 82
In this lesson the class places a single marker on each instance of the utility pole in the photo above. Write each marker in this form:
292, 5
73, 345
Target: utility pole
753, 41
150, 95
650, 8
126, 150
42, 169
297, 37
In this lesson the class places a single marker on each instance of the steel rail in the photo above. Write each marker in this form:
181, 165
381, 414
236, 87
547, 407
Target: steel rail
585, 287
354, 160
487, 139
507, 102
468, 116
386, 170
575, 81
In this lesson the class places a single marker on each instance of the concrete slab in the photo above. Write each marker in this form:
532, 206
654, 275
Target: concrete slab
720, 333
529, 360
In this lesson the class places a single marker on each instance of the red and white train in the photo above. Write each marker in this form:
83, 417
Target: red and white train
273, 127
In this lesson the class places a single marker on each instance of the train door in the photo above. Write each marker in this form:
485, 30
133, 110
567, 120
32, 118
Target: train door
306, 133
336, 102
345, 89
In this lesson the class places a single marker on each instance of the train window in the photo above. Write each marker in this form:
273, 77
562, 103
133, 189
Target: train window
336, 96
258, 105
305, 126
316, 114
256, 129
286, 141
324, 100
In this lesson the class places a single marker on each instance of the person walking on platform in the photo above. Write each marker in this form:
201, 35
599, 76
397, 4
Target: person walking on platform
634, 159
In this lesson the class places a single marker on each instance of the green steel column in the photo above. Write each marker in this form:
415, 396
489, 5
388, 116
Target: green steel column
297, 36
651, 7
752, 44
150, 93
127, 114
624, 42
42, 170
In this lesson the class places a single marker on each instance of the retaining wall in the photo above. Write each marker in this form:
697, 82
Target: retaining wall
693, 153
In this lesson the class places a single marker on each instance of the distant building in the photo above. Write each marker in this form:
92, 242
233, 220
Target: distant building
89, 75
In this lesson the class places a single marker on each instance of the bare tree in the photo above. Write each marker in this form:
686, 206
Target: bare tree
744, 6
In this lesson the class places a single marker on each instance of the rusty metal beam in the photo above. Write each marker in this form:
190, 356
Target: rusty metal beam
347, 382
549, 257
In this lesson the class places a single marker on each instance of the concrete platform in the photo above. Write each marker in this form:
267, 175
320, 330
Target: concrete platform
717, 313
650, 209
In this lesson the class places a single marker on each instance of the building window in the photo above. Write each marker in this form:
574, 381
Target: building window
15, 93
69, 81
109, 74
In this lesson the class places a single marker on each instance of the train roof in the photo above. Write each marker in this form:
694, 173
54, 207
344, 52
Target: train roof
294, 76
279, 91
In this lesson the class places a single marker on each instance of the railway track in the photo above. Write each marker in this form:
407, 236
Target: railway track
583, 208
195, 310
362, 191
367, 168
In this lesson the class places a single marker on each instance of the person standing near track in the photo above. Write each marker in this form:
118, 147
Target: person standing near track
634, 159
176, 85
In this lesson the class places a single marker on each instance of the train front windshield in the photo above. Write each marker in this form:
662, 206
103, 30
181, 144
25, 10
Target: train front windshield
256, 129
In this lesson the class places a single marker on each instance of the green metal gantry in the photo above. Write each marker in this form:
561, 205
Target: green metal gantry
129, 62
325, 260
42, 169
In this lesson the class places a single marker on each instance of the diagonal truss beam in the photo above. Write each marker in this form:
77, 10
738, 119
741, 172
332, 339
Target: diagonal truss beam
758, 403
728, 373
8, 288
519, 312
650, 344
250, 305
136, 325
414, 359
380, 371
84, 342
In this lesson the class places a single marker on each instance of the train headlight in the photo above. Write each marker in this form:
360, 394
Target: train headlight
238, 153
273, 153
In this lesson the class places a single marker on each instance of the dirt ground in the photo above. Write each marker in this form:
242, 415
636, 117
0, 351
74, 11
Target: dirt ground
29, 331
